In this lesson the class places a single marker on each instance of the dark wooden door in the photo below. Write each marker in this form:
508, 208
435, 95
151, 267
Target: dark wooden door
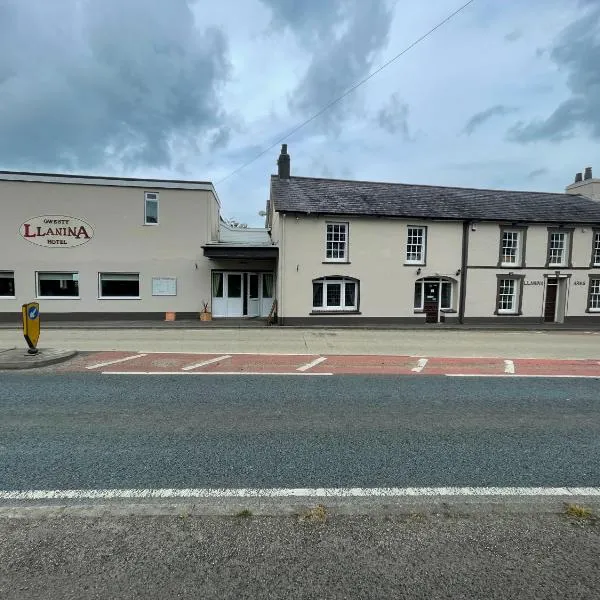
431, 302
550, 306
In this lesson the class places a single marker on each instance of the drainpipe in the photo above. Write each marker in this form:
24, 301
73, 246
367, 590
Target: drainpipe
463, 271
281, 270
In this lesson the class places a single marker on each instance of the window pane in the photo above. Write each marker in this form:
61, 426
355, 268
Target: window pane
267, 285
510, 247
151, 211
217, 285
419, 294
597, 249
317, 294
334, 294
506, 296
446, 301
120, 285
335, 248
7, 283
414, 244
594, 293
557, 248
58, 284
234, 282
350, 294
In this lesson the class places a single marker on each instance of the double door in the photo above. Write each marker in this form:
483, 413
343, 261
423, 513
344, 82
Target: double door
241, 294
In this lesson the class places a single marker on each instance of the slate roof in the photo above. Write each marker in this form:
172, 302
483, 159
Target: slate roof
368, 198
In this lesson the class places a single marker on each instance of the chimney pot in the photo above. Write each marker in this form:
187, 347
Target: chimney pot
578, 177
283, 163
588, 173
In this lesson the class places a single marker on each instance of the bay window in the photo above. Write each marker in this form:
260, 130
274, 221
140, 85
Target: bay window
335, 294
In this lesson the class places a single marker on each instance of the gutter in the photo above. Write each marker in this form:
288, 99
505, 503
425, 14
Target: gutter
463, 271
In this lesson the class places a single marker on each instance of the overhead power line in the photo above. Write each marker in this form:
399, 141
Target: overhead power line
349, 91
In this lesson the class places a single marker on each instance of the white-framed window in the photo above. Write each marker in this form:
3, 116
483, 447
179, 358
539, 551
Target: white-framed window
511, 248
118, 285
444, 293
558, 246
7, 284
594, 295
596, 249
57, 284
335, 293
336, 248
151, 208
508, 299
415, 245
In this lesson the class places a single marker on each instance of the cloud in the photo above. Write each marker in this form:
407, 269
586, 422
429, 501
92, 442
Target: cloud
477, 120
513, 36
393, 117
576, 52
343, 38
84, 84
537, 173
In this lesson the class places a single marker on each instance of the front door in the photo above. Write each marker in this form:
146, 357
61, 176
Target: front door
550, 305
253, 295
431, 303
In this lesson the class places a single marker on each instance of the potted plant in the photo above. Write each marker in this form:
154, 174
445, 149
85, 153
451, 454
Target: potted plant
205, 314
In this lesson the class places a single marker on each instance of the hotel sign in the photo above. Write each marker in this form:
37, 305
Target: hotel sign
56, 231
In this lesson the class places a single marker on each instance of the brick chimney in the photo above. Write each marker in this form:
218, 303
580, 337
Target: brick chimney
585, 185
284, 163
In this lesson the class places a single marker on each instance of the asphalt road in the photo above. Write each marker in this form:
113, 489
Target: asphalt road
410, 557
89, 431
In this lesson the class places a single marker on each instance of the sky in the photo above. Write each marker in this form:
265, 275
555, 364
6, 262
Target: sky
506, 95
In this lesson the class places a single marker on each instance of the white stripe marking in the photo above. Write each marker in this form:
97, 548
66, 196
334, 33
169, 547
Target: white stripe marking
312, 364
421, 363
206, 362
113, 362
524, 376
509, 367
108, 494
211, 373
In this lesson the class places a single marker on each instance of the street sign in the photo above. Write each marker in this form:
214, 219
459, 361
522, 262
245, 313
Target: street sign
31, 325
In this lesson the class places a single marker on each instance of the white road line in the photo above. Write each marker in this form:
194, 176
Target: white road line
211, 373
312, 364
524, 376
206, 362
509, 367
421, 363
113, 362
109, 494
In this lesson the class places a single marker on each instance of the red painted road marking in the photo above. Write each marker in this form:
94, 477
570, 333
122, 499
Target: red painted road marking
122, 362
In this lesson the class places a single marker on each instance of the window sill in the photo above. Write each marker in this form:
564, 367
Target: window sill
593, 311
418, 311
150, 224
58, 298
414, 264
8, 297
119, 298
336, 262
508, 314
335, 312
507, 266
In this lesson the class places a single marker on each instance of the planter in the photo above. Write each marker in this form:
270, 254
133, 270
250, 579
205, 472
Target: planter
206, 316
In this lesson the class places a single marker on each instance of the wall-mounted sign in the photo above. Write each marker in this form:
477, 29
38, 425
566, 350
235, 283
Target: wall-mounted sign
527, 282
56, 231
164, 286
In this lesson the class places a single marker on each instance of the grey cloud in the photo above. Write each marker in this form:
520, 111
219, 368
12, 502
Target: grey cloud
576, 52
343, 37
393, 117
477, 120
537, 173
513, 36
88, 83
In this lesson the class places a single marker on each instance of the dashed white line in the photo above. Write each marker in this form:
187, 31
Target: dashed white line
114, 362
312, 364
210, 361
110, 494
509, 367
421, 364
213, 373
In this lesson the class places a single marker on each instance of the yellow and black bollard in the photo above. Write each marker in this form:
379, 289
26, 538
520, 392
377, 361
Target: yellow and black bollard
31, 325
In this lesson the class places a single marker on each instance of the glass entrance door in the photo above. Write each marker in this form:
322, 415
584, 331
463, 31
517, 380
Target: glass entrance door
253, 295
431, 304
